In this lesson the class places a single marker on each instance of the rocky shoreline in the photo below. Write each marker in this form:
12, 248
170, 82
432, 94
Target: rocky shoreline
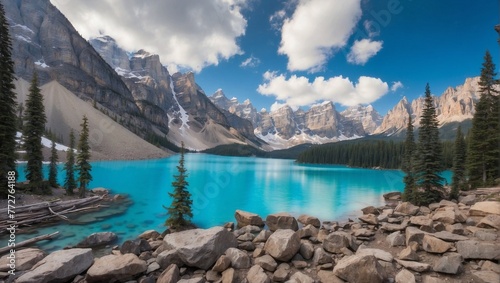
399, 242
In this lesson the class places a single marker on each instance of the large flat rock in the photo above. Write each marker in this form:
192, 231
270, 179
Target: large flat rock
59, 266
478, 250
484, 208
201, 247
116, 268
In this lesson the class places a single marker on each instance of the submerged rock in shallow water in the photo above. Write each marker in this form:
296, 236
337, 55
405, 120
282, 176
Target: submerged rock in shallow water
97, 239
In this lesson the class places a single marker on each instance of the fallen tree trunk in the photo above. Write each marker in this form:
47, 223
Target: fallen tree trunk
29, 242
28, 215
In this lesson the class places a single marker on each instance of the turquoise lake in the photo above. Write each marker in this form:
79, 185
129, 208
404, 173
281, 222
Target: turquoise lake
220, 185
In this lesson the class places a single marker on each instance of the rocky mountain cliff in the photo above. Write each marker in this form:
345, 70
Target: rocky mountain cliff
134, 89
454, 105
285, 127
366, 115
176, 103
44, 41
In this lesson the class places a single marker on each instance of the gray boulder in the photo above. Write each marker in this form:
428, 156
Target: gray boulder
267, 262
486, 276
369, 219
379, 254
200, 247
432, 244
136, 246
257, 275
112, 268
170, 275
59, 266
281, 273
244, 218
97, 239
221, 264
149, 235
283, 244
414, 235
301, 278
25, 259
413, 265
306, 249
450, 264
239, 259
450, 237
395, 239
490, 221
406, 208
321, 257
405, 276
478, 250
392, 196
358, 268
484, 208
229, 276
281, 220
335, 241
309, 220
262, 236
167, 258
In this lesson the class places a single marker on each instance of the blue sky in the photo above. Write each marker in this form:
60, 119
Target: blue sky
302, 52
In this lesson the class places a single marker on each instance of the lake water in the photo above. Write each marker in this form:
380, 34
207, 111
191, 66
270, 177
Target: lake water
220, 185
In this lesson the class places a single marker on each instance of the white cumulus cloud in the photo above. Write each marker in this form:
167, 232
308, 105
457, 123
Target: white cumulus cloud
396, 85
189, 33
363, 50
298, 91
316, 30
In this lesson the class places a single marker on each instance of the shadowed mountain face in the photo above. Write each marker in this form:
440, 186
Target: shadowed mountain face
133, 89
45, 41
176, 100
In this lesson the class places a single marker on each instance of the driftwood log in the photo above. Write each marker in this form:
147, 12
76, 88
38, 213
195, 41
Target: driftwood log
29, 242
28, 215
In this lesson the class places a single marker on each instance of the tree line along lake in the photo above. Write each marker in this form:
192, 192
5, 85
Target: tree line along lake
220, 185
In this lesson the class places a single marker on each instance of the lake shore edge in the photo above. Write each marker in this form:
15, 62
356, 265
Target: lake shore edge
399, 242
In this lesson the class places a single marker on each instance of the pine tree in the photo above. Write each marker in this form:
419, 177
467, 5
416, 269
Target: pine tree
7, 106
34, 127
458, 180
53, 166
408, 162
82, 160
483, 160
180, 209
69, 166
429, 153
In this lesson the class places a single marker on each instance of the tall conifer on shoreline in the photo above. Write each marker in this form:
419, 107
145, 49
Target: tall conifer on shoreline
8, 119
483, 160
408, 162
428, 165
34, 128
458, 179
82, 160
180, 210
53, 166
69, 166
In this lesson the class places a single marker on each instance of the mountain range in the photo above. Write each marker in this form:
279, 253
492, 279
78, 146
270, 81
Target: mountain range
134, 92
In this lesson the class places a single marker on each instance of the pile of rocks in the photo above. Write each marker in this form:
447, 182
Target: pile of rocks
442, 242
